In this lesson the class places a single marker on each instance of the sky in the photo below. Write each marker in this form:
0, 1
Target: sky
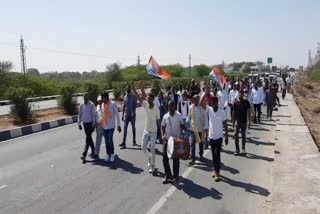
82, 35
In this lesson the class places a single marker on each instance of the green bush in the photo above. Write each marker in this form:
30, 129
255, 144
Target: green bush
93, 92
21, 108
67, 101
119, 89
315, 75
156, 84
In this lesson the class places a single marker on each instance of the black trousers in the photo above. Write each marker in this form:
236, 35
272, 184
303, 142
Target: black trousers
166, 164
231, 110
88, 129
243, 127
216, 153
257, 110
269, 110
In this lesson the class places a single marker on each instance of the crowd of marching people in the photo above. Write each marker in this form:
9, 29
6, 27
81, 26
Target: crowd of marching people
181, 119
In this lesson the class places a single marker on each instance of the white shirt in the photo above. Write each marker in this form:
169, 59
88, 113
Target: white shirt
87, 113
288, 80
99, 113
223, 98
156, 102
197, 115
216, 120
152, 115
172, 124
184, 108
233, 96
257, 96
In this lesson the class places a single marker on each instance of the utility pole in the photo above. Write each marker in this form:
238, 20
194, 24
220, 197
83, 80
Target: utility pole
190, 62
138, 61
309, 60
23, 57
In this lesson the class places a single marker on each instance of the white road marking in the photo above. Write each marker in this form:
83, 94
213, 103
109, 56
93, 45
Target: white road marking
3, 186
156, 207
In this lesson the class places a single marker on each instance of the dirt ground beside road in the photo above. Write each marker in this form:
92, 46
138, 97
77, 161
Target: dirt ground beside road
307, 95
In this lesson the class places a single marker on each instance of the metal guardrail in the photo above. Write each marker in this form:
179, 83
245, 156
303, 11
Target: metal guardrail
35, 99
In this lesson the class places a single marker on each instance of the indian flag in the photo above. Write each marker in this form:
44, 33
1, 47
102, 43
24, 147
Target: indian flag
218, 76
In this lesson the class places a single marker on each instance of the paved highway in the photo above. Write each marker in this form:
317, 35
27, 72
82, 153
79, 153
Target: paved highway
43, 173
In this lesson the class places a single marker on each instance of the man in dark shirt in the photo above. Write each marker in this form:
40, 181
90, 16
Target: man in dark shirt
241, 114
129, 115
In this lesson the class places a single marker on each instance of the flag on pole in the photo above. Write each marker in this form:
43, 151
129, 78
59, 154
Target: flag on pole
218, 76
154, 69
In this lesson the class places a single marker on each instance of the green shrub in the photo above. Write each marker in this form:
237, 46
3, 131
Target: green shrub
119, 89
156, 84
93, 92
21, 108
67, 101
315, 75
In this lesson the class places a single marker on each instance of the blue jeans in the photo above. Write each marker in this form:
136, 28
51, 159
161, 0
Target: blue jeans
108, 137
192, 140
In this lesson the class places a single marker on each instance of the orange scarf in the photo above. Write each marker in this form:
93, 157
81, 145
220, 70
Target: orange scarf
106, 113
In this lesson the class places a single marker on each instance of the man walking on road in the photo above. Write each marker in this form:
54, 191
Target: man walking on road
99, 128
233, 96
198, 125
129, 115
152, 115
241, 114
87, 115
217, 121
109, 116
171, 126
270, 101
257, 97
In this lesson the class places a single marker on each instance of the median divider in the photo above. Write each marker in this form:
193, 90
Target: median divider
38, 127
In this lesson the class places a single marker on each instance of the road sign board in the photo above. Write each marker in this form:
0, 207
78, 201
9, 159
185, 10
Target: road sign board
269, 60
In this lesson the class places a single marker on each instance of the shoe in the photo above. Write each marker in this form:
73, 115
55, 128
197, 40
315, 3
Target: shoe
92, 155
192, 162
166, 180
112, 158
122, 146
236, 152
96, 157
107, 159
175, 179
151, 169
201, 159
217, 178
243, 151
83, 158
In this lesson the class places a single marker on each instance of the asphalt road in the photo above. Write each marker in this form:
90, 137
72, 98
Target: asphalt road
43, 173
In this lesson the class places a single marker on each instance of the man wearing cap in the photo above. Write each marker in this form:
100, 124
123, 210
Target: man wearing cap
129, 115
198, 125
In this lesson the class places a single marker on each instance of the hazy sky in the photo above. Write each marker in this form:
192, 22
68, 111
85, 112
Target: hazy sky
101, 32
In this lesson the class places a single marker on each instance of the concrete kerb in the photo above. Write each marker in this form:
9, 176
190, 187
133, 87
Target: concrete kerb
30, 129
296, 176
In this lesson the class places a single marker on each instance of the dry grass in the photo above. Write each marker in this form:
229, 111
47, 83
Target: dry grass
307, 96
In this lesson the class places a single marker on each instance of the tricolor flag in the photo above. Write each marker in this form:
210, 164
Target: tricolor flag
218, 76
154, 69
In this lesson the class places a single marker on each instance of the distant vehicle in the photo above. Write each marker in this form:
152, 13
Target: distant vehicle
292, 69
